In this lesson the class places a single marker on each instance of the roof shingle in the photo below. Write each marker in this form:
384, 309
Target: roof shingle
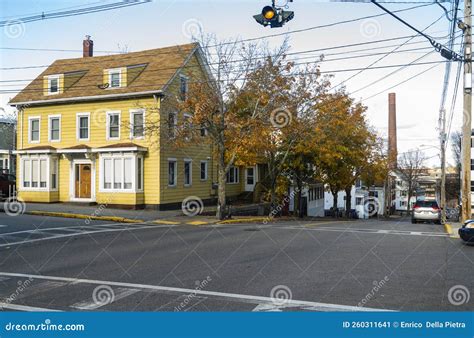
155, 68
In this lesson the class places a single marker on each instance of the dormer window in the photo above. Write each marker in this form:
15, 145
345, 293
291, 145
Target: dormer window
115, 76
53, 84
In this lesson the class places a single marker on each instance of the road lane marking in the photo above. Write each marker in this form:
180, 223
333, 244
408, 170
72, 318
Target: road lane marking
32, 289
216, 294
352, 230
76, 233
25, 308
90, 304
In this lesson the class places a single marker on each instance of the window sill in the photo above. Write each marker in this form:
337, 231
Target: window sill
131, 191
37, 190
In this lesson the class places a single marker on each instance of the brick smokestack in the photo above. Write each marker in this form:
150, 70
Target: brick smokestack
392, 130
87, 47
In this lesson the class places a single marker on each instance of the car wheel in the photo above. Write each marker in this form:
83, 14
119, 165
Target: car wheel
413, 221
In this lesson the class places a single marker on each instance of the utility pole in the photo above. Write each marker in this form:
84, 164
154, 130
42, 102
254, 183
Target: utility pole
442, 128
467, 114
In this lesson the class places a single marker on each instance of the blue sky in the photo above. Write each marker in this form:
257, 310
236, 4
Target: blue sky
164, 22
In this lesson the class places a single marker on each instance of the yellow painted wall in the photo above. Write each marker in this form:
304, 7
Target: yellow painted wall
198, 150
97, 138
156, 190
39, 196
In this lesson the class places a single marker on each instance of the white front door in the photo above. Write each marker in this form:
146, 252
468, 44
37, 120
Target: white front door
250, 178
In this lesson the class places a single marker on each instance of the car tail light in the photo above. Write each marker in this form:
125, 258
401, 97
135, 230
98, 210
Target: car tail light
416, 207
436, 208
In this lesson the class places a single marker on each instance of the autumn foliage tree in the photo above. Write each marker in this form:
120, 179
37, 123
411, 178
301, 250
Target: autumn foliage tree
345, 145
277, 101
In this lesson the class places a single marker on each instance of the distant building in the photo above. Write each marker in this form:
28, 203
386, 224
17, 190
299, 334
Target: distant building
366, 201
7, 145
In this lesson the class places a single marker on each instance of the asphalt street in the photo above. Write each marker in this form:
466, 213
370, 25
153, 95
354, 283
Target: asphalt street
293, 266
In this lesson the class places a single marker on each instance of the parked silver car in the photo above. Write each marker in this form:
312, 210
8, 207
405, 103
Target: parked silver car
426, 211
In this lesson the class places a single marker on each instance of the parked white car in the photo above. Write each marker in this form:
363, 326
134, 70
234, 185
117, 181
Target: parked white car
426, 211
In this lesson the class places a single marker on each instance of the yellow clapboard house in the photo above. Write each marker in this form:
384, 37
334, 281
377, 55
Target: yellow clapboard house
84, 136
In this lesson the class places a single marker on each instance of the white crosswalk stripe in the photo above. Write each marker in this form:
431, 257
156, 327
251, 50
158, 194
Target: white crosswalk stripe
90, 304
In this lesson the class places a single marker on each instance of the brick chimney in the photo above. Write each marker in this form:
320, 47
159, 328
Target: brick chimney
87, 47
392, 130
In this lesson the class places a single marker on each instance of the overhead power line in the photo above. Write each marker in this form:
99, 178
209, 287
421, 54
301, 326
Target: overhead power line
387, 54
297, 73
245, 40
74, 12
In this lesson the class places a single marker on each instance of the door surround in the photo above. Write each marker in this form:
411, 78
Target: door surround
72, 180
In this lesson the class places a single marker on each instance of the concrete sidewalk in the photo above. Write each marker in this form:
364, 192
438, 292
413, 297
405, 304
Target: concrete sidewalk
101, 212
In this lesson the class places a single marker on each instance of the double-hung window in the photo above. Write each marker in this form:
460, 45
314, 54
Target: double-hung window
172, 172
34, 129
113, 125
233, 175
53, 84
203, 130
121, 173
187, 126
39, 173
188, 173
115, 80
137, 124
54, 174
172, 124
83, 126
183, 87
203, 170
54, 128
26, 173
139, 173
3, 164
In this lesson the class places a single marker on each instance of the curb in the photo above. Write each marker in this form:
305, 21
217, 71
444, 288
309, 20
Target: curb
165, 222
449, 230
241, 220
87, 217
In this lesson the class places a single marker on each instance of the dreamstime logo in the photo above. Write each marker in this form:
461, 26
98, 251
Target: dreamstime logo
375, 289
97, 212
99, 117
459, 295
466, 117
14, 206
192, 27
192, 206
280, 118
22, 286
187, 300
103, 295
281, 294
371, 206
370, 28
14, 29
